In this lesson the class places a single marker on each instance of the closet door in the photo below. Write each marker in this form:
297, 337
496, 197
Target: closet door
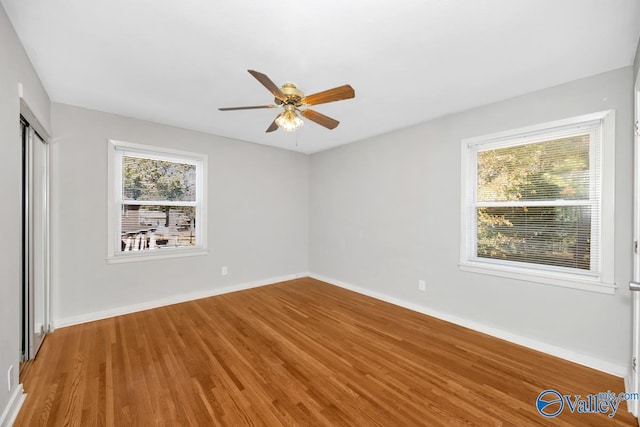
35, 240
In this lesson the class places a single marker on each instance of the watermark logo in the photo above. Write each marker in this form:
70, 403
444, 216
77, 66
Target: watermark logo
550, 403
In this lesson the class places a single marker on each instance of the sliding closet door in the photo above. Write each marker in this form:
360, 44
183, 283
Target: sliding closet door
36, 240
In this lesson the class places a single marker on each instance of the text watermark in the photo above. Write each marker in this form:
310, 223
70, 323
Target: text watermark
550, 403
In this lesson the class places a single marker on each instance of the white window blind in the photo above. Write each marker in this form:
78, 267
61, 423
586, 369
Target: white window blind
533, 201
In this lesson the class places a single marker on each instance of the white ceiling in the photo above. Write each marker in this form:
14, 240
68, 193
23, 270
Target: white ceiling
409, 61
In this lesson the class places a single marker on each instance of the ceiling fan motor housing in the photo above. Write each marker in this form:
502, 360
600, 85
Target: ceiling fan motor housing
293, 94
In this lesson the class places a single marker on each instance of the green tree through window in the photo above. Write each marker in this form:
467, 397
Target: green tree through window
150, 179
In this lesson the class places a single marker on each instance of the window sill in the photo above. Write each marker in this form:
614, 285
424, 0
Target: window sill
573, 281
154, 255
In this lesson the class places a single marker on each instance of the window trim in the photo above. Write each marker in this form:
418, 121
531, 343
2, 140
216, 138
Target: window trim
589, 281
114, 177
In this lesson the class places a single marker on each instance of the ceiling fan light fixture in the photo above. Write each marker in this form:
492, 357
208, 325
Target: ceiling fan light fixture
291, 98
289, 120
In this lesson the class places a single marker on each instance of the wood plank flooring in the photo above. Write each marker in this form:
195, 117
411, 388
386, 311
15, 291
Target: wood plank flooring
295, 353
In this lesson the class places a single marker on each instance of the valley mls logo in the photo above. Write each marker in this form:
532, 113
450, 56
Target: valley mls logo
550, 403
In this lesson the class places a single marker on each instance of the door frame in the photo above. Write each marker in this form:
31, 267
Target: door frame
634, 380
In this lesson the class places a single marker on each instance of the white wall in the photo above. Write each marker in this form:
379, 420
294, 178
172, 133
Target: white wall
14, 68
257, 216
385, 212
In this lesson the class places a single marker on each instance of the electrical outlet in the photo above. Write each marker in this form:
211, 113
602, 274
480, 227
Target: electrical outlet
9, 378
224, 271
422, 285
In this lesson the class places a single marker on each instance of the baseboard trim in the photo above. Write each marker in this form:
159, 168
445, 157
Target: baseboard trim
563, 353
570, 355
631, 405
10, 413
174, 299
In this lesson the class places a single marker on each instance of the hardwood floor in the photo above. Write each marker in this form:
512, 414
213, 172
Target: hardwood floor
296, 353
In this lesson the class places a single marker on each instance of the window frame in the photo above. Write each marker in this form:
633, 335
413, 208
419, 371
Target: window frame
602, 282
116, 150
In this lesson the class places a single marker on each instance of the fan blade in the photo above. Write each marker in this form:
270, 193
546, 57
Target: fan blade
331, 95
273, 126
254, 107
320, 119
266, 82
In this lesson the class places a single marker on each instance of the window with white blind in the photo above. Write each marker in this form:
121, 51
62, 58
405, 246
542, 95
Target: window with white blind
538, 203
156, 207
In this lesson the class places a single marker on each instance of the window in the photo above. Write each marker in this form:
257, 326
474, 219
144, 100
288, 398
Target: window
537, 203
156, 207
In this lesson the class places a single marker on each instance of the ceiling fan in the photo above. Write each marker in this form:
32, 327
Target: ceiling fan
291, 99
